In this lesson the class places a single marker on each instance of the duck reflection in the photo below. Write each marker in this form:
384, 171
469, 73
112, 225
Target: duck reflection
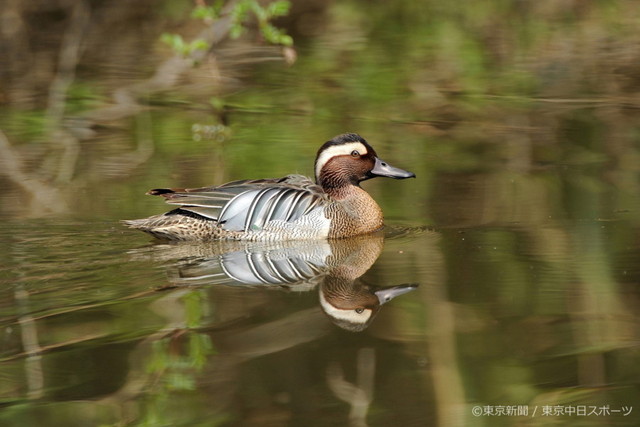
334, 267
350, 302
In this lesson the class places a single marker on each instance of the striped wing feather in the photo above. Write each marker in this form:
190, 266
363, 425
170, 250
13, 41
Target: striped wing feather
249, 205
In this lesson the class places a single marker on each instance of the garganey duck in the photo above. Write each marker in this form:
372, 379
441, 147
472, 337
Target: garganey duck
289, 208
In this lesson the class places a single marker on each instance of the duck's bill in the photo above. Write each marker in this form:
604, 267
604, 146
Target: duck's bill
382, 168
387, 294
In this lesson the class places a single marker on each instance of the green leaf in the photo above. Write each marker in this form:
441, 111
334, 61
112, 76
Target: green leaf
278, 8
205, 12
286, 40
236, 31
175, 42
240, 12
275, 35
260, 13
169, 39
199, 44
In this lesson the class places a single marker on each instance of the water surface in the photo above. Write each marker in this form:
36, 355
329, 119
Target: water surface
517, 244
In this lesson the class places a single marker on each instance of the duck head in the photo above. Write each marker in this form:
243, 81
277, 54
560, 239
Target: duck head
348, 160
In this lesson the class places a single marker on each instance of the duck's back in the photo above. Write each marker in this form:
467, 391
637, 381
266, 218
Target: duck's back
292, 207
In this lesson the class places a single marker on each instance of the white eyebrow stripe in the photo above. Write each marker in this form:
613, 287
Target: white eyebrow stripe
338, 150
351, 316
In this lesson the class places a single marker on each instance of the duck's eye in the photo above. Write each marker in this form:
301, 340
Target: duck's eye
355, 153
359, 310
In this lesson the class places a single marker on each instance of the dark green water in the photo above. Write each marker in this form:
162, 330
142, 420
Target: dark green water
521, 231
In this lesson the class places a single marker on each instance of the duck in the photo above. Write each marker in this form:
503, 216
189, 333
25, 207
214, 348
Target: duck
293, 207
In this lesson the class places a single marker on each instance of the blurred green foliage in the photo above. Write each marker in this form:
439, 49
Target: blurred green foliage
243, 10
240, 13
177, 43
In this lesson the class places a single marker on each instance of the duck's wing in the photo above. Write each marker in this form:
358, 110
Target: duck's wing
248, 205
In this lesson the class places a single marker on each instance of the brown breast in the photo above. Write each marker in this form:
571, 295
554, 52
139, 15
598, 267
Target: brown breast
353, 211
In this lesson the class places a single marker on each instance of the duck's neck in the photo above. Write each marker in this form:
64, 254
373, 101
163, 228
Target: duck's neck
344, 191
336, 184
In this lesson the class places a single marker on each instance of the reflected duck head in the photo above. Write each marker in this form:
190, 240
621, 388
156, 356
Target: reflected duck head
352, 306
